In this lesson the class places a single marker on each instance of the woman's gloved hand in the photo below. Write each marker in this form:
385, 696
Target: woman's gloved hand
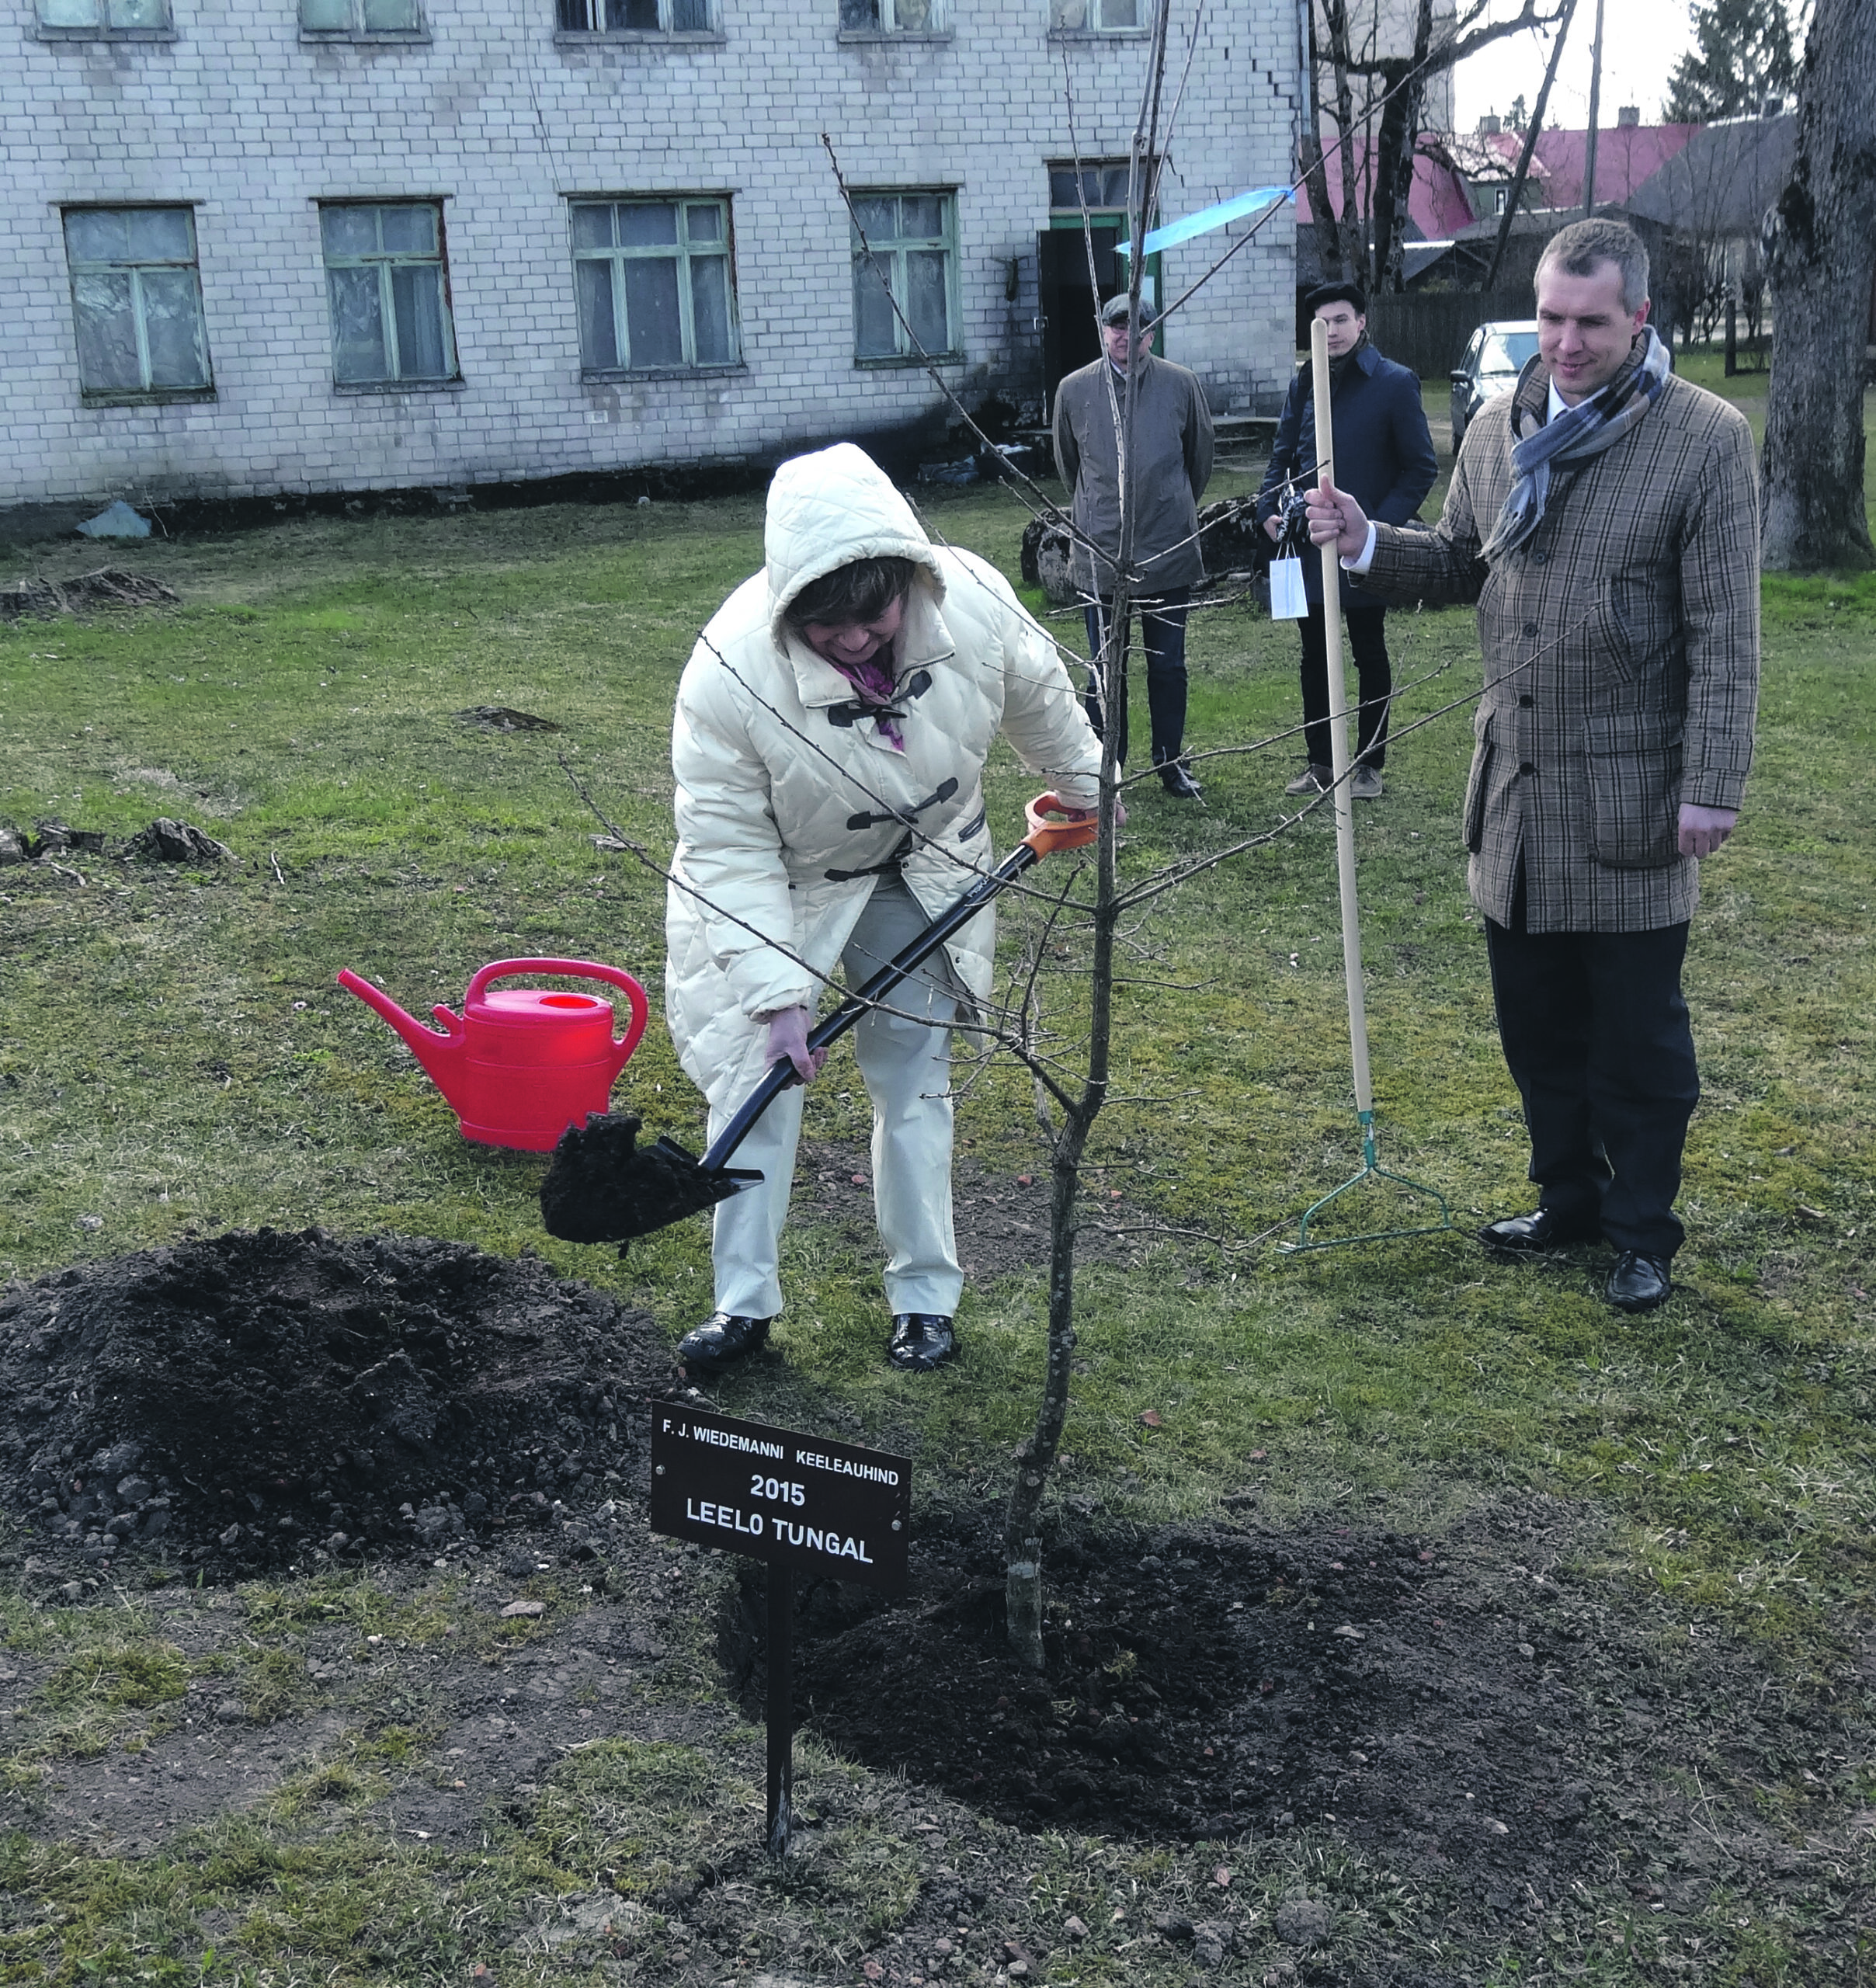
788, 1036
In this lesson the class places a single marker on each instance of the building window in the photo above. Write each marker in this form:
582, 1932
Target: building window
1103, 187
1098, 16
360, 20
105, 16
390, 296
654, 284
894, 17
636, 16
913, 263
137, 299
1499, 196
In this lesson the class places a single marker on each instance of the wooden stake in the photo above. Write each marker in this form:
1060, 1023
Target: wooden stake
1338, 738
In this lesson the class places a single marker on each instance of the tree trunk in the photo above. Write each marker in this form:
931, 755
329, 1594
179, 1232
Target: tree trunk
1820, 249
1400, 137
1400, 120
1328, 234
1354, 240
1022, 1522
1314, 168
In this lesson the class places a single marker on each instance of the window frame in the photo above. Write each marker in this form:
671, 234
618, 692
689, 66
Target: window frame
149, 394
1060, 30
385, 262
937, 26
954, 354
594, 10
357, 31
679, 252
102, 29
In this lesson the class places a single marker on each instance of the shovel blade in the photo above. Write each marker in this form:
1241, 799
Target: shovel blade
603, 1186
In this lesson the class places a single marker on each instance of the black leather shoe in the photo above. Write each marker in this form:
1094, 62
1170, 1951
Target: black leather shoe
1639, 1283
921, 1340
721, 1338
1178, 781
1529, 1234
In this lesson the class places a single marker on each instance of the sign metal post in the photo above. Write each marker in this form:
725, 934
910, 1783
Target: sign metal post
781, 1707
794, 1501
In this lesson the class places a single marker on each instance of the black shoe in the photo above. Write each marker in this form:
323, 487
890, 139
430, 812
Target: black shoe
721, 1338
1176, 778
1639, 1283
921, 1340
1529, 1234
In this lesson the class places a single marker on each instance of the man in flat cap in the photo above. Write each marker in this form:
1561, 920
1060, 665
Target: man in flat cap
1169, 467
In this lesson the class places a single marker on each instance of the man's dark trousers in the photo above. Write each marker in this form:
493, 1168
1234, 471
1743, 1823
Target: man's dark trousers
1368, 643
1597, 1038
1162, 635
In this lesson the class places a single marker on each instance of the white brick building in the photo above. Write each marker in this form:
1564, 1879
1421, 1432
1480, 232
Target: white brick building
323, 244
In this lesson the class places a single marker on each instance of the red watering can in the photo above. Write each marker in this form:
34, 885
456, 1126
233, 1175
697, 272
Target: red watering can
520, 1066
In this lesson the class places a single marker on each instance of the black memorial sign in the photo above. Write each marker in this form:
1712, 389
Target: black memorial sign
796, 1501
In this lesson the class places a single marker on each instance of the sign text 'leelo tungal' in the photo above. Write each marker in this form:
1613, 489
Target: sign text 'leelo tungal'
803, 1501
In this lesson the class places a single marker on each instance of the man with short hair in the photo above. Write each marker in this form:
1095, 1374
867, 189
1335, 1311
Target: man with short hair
1604, 515
1170, 465
1384, 457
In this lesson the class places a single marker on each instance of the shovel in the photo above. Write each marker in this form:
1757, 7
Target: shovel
602, 1188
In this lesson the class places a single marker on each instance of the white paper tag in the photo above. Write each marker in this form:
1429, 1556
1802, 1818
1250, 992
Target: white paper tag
1288, 601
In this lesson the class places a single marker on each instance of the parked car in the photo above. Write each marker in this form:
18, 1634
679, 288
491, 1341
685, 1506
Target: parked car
1492, 363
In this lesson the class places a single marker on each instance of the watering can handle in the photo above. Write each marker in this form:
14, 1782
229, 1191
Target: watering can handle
578, 970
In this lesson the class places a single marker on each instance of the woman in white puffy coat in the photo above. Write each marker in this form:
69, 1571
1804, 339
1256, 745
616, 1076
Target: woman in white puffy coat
832, 728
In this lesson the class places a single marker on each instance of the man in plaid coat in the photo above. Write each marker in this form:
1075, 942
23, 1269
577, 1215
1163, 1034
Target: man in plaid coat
1604, 516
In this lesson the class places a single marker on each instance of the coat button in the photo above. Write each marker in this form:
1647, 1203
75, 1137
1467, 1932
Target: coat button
1524, 704
1530, 628
1527, 767
1539, 559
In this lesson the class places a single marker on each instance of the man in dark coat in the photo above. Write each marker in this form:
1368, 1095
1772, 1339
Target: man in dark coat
1383, 458
1171, 466
1604, 515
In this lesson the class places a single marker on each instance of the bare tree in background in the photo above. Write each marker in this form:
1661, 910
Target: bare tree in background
1360, 79
1820, 252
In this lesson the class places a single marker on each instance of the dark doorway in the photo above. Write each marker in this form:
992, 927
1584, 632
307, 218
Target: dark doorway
1069, 338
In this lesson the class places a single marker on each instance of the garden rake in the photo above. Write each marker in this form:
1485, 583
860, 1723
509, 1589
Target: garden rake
1372, 1168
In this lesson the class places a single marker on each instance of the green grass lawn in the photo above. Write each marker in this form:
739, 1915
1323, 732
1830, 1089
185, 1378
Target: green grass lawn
175, 1059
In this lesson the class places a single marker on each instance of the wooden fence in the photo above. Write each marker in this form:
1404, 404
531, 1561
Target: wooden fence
1426, 331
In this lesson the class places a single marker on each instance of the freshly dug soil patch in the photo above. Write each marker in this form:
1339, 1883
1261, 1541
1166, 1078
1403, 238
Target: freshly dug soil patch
266, 1399
1438, 1709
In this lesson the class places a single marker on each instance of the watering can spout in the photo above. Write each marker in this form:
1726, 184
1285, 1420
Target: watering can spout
441, 1056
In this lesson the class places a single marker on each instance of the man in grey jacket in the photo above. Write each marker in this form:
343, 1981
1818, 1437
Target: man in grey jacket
1170, 465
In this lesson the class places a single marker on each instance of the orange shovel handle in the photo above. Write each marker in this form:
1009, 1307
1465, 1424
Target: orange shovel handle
1046, 836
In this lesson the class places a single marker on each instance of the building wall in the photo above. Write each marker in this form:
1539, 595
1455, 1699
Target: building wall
502, 120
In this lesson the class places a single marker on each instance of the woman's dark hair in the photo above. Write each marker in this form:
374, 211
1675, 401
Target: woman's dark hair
860, 592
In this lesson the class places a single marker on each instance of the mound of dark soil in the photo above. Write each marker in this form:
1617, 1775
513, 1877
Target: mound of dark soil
110, 586
1204, 1683
259, 1399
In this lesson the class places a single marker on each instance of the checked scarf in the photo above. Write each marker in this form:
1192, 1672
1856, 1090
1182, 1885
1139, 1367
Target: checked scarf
1573, 437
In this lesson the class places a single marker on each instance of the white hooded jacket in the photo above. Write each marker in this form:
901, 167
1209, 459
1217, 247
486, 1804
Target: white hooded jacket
790, 800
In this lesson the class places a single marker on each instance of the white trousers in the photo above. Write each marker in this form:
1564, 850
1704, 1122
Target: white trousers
904, 1059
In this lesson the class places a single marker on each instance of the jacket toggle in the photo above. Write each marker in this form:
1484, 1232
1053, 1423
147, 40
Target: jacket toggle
890, 868
942, 792
846, 716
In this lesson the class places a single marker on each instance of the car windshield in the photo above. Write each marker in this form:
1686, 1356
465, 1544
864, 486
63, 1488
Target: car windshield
1506, 352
